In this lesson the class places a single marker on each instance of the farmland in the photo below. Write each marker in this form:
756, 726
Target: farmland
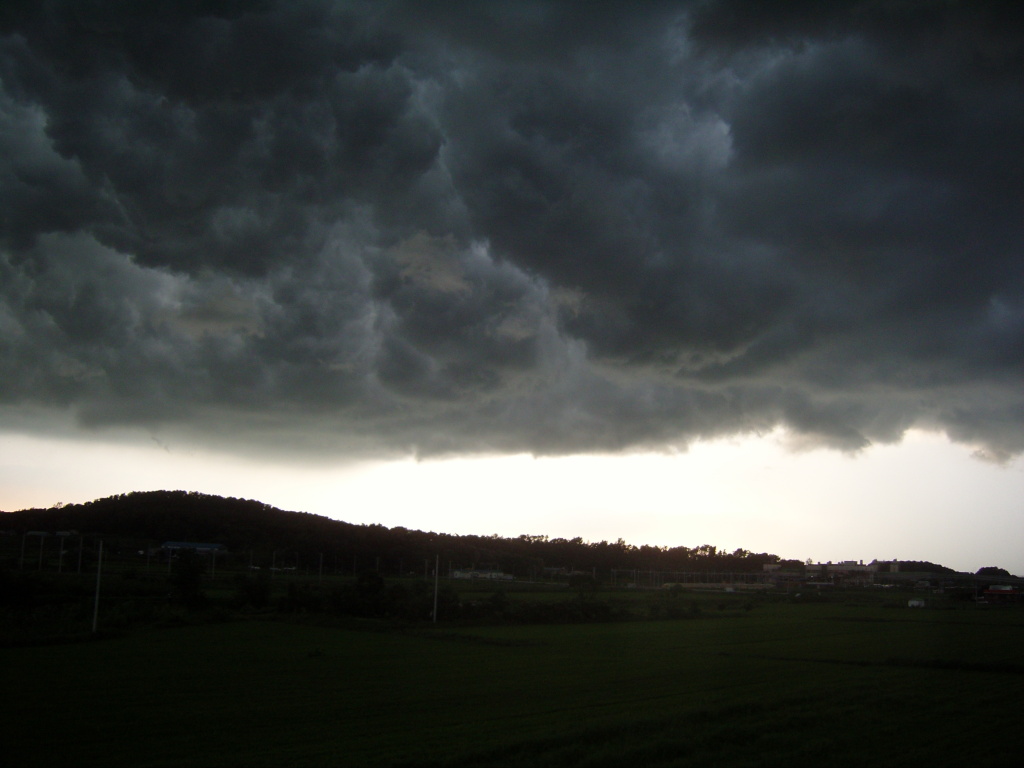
836, 682
310, 642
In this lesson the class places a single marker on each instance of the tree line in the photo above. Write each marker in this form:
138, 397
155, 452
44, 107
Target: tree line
248, 528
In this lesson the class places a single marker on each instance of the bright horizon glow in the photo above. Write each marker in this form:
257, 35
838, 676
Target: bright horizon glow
924, 499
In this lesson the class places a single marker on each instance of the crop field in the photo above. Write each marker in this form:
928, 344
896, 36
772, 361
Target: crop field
795, 684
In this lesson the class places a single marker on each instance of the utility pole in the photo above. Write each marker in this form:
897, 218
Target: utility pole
437, 571
96, 603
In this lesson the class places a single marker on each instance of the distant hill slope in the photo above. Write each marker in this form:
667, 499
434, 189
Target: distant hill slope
183, 515
258, 529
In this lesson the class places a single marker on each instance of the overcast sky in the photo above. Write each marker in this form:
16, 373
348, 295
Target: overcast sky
316, 237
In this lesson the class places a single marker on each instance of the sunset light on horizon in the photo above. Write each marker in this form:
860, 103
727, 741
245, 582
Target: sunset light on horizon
915, 501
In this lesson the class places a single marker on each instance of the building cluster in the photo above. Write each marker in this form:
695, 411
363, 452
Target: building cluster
848, 572
482, 575
881, 573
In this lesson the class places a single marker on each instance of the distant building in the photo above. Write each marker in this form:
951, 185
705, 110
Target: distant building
1002, 593
200, 548
849, 572
484, 575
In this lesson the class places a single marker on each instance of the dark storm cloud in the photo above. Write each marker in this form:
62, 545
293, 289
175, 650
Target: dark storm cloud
514, 226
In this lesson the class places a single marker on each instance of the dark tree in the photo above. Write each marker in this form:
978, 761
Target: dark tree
187, 577
991, 570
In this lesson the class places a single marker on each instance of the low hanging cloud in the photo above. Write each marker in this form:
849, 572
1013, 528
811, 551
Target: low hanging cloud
343, 228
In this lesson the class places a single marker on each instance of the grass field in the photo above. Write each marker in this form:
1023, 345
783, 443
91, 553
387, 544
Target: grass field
825, 684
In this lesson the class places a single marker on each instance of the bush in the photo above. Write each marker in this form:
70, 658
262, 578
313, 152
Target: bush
187, 578
253, 592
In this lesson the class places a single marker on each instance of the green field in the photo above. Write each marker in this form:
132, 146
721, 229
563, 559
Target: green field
824, 684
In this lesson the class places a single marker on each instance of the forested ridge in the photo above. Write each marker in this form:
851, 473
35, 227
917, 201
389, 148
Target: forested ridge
244, 525
157, 570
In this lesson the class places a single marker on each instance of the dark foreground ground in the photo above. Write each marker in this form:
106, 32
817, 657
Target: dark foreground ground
781, 683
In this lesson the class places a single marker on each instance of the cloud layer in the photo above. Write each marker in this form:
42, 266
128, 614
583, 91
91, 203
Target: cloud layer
547, 227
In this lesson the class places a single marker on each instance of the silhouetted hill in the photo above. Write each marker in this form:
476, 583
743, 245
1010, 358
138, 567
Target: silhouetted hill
185, 516
257, 529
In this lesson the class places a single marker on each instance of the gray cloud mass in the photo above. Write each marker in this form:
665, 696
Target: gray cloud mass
341, 228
